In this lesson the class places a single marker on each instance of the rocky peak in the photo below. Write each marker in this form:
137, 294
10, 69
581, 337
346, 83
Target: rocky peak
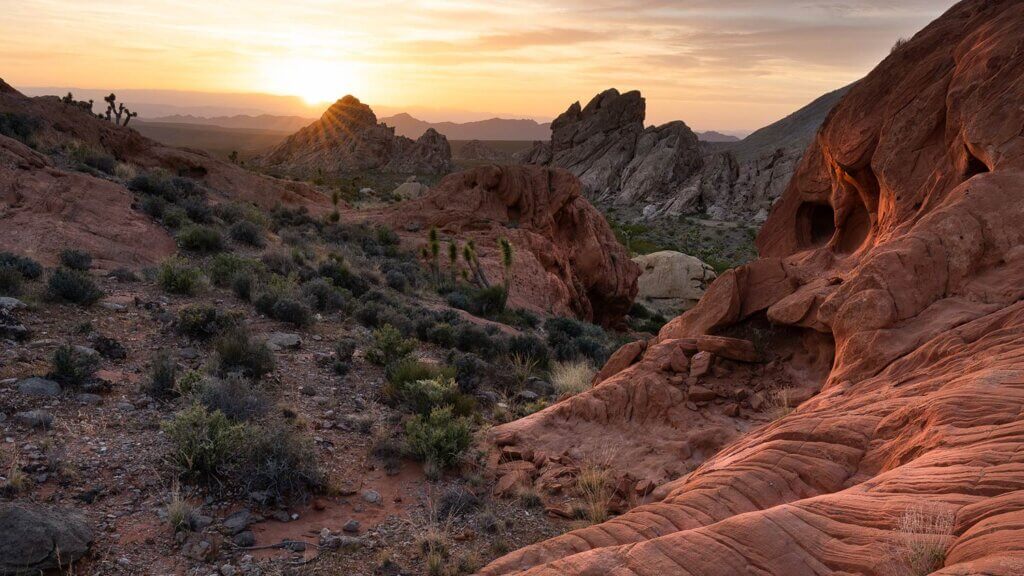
348, 112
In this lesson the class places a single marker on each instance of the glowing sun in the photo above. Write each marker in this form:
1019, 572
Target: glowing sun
315, 81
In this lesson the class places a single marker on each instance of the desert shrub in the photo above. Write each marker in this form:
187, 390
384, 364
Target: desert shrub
76, 259
234, 396
177, 277
243, 284
595, 488
530, 348
389, 346
246, 232
89, 159
280, 262
18, 126
322, 295
292, 312
284, 217
163, 374
124, 275
10, 281
71, 366
279, 462
344, 349
197, 209
153, 206
919, 541
396, 280
439, 439
421, 396
238, 352
205, 445
470, 371
472, 338
72, 286
201, 239
484, 302
572, 377
340, 275
223, 268
440, 333
174, 217
641, 319
201, 321
571, 339
29, 268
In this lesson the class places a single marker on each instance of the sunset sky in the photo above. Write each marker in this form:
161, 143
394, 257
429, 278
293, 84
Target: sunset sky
717, 64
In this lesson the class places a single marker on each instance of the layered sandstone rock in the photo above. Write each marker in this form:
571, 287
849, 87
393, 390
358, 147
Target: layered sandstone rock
567, 260
347, 139
900, 239
672, 282
619, 161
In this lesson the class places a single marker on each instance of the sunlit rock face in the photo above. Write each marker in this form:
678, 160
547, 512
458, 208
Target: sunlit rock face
347, 139
891, 287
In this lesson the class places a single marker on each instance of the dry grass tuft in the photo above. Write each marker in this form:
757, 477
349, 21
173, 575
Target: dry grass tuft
918, 543
573, 377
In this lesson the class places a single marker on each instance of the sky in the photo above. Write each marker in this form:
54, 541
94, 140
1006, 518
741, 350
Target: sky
729, 65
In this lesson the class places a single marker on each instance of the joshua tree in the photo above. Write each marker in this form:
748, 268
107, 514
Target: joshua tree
115, 111
434, 244
335, 198
453, 261
473, 261
69, 99
506, 262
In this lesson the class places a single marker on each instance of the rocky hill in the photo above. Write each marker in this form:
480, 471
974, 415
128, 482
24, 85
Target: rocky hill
491, 129
665, 170
849, 403
347, 139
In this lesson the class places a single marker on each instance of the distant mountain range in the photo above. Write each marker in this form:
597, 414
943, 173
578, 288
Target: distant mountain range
712, 136
264, 122
492, 129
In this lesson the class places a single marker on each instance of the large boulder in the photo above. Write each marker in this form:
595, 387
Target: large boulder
672, 282
36, 539
566, 258
347, 139
890, 290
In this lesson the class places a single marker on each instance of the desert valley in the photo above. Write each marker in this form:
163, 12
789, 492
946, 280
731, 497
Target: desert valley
373, 342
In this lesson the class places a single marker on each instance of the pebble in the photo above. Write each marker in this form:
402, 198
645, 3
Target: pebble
35, 418
37, 386
371, 496
114, 306
352, 526
244, 539
8, 303
228, 570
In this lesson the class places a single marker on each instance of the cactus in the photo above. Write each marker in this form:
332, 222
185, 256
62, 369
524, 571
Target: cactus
506, 263
473, 261
116, 111
453, 261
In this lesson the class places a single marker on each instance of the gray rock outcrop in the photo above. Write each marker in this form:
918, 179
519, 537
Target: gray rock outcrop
36, 539
672, 282
348, 139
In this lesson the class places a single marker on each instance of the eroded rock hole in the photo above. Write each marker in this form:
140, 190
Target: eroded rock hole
854, 230
815, 224
974, 166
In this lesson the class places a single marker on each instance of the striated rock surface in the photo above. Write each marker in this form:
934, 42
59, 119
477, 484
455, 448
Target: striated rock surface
898, 247
619, 161
672, 282
37, 539
567, 260
348, 139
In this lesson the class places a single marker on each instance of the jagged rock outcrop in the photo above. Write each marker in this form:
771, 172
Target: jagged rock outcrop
899, 240
347, 139
567, 260
672, 282
665, 171
619, 161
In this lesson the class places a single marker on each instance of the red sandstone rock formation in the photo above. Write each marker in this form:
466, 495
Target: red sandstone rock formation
900, 238
567, 260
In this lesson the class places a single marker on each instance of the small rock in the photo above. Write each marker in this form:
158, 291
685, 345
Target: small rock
371, 496
238, 521
35, 418
113, 306
700, 364
37, 386
528, 395
352, 526
540, 387
188, 353
308, 390
701, 394
89, 399
8, 303
199, 522
280, 516
294, 545
228, 570
284, 341
244, 539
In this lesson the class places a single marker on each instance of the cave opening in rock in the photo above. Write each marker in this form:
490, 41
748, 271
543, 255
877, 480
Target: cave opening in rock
854, 229
974, 166
815, 224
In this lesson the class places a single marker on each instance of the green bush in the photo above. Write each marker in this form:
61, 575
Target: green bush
29, 268
484, 302
76, 259
163, 374
201, 321
197, 210
234, 396
224, 268
153, 206
73, 367
571, 339
389, 346
237, 352
421, 396
322, 295
174, 217
439, 439
242, 285
201, 239
529, 347
72, 286
18, 126
205, 445
246, 232
342, 277
10, 281
292, 312
177, 277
